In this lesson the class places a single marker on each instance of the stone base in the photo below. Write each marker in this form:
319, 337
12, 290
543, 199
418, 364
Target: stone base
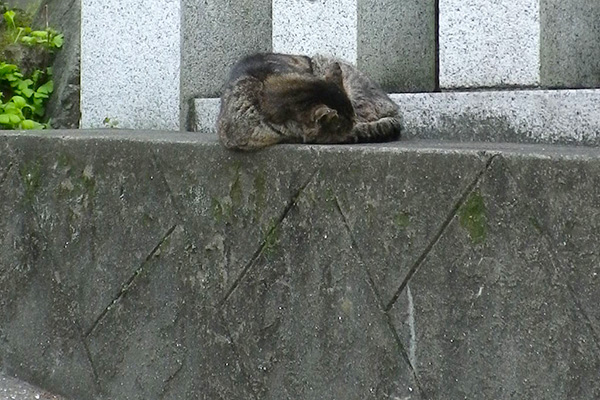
146, 265
516, 116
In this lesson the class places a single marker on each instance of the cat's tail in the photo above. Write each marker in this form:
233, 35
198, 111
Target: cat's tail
383, 130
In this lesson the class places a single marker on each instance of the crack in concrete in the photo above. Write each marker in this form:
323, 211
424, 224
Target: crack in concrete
157, 166
588, 321
127, 285
170, 378
88, 354
370, 279
547, 237
253, 260
236, 353
405, 355
441, 230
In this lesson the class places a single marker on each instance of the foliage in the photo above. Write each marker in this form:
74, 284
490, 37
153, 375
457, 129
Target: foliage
26, 96
48, 38
23, 97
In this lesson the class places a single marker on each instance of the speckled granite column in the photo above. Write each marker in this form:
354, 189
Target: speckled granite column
130, 64
215, 34
485, 43
534, 43
316, 26
397, 43
570, 43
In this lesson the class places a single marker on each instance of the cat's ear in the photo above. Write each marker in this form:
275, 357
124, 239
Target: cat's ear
334, 74
324, 115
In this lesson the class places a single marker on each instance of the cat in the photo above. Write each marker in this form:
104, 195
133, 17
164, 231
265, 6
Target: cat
272, 98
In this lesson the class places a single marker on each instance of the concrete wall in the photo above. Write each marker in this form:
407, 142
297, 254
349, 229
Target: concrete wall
146, 265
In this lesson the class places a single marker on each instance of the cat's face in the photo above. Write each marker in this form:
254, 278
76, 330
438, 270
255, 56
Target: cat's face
329, 121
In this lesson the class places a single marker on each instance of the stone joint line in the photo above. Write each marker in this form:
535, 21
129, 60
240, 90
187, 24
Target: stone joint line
127, 285
441, 231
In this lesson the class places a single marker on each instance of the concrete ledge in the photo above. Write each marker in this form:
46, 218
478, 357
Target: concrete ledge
522, 116
147, 265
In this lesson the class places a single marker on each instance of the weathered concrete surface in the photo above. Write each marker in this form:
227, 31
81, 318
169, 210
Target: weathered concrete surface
15, 389
63, 107
159, 265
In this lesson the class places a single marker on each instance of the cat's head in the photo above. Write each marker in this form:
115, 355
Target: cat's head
335, 115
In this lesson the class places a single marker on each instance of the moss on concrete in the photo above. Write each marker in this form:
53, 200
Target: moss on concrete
472, 217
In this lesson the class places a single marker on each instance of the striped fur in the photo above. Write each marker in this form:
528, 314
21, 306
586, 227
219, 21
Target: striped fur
279, 98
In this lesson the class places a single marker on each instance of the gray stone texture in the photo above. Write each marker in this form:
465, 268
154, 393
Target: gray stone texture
397, 44
570, 43
64, 106
489, 43
130, 64
513, 299
316, 27
151, 265
521, 116
15, 389
215, 34
205, 113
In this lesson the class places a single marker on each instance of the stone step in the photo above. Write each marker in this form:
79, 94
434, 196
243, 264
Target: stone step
518, 116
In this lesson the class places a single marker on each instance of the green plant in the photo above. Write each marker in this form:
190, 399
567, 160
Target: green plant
23, 96
48, 38
26, 96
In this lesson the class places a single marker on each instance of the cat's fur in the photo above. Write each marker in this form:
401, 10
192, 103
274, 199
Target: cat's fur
279, 98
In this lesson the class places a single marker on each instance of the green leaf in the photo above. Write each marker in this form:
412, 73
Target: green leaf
7, 68
19, 101
9, 16
58, 41
30, 124
9, 119
27, 92
28, 40
40, 34
46, 88
11, 108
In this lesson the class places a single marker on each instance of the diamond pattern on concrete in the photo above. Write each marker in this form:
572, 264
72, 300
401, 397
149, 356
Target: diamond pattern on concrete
305, 319
486, 303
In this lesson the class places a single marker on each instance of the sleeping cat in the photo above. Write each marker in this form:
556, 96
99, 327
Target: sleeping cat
279, 98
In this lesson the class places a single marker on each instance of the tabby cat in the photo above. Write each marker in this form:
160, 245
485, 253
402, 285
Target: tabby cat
279, 98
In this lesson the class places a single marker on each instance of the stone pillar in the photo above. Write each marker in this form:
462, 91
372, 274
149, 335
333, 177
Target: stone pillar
525, 43
570, 43
216, 33
130, 64
489, 43
316, 27
392, 42
397, 43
